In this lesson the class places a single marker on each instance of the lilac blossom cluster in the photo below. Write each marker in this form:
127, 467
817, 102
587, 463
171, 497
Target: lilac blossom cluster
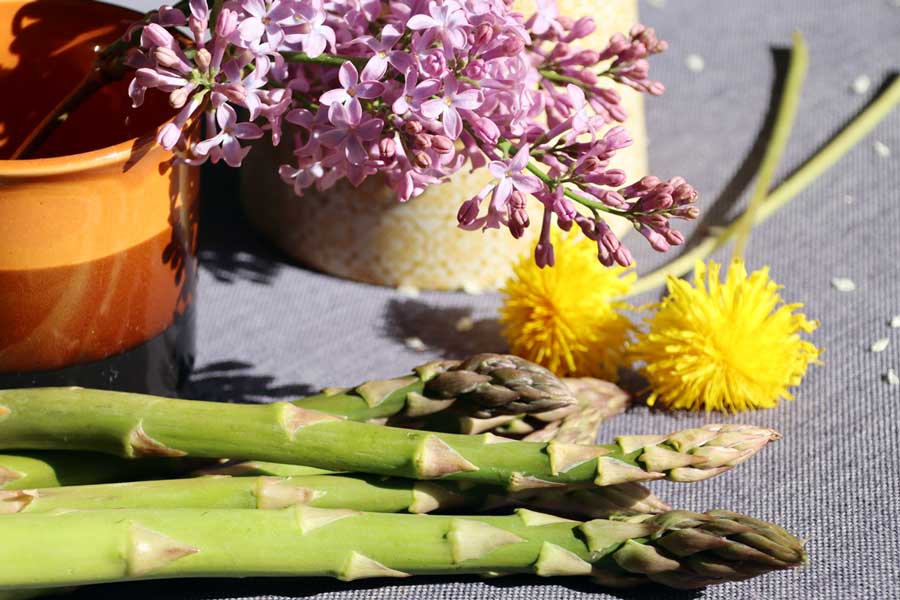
415, 90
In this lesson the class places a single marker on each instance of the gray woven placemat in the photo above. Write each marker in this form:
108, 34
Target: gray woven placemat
271, 330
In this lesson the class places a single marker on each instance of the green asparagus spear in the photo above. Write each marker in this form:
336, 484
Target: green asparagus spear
48, 469
483, 386
135, 425
372, 494
679, 549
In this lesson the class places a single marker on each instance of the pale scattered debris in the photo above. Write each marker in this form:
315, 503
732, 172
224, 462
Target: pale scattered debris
416, 344
842, 284
882, 149
880, 345
661, 4
861, 85
891, 377
465, 324
895, 320
848, 199
472, 288
410, 291
695, 63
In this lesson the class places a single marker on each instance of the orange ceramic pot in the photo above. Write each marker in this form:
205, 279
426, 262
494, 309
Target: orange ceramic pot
98, 231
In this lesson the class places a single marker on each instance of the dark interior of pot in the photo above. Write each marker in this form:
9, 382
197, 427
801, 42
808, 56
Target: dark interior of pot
46, 48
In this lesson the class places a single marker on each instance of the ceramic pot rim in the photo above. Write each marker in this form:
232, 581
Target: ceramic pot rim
83, 161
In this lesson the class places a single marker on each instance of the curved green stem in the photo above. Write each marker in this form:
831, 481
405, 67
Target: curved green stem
330, 60
823, 160
787, 113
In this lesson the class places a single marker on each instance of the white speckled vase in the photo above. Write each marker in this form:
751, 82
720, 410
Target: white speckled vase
366, 235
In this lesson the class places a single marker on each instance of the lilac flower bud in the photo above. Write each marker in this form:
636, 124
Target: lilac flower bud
154, 35
179, 97
588, 76
623, 257
543, 255
604, 256
513, 45
609, 95
476, 69
166, 57
203, 59
586, 58
688, 213
387, 149
422, 160
559, 52
589, 165
422, 141
674, 237
607, 237
441, 144
583, 27
468, 211
655, 88
657, 241
484, 33
617, 138
227, 23
486, 130
412, 127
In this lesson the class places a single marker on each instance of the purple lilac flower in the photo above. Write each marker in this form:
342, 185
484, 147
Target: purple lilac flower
446, 84
447, 19
446, 107
225, 144
351, 130
509, 176
352, 87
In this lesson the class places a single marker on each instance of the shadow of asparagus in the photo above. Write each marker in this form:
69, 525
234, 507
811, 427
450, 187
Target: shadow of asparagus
441, 328
412, 589
235, 381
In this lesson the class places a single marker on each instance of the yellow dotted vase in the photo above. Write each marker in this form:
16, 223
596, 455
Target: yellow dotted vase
366, 235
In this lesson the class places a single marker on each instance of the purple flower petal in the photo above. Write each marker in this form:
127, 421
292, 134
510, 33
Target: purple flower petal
520, 160
247, 131
251, 29
369, 90
434, 108
370, 130
497, 168
470, 99
529, 184
501, 194
348, 75
452, 123
421, 22
339, 95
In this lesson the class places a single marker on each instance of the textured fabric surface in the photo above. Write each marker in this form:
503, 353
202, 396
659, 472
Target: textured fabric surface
269, 329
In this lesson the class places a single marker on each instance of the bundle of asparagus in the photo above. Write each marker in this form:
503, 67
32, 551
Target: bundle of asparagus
324, 472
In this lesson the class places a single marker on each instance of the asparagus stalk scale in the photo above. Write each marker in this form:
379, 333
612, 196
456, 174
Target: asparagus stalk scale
679, 549
134, 425
371, 494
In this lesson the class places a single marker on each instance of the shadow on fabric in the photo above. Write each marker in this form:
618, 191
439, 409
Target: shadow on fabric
229, 249
436, 326
236, 381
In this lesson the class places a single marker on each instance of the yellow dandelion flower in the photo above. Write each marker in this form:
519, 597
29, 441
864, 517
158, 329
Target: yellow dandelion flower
567, 318
728, 346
